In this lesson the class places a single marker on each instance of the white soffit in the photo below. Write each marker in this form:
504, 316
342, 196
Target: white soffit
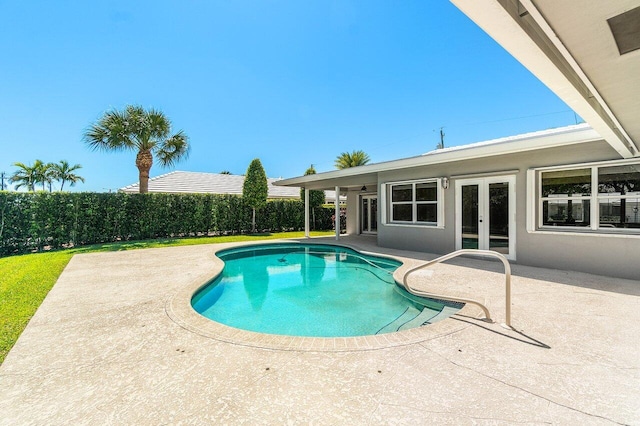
568, 45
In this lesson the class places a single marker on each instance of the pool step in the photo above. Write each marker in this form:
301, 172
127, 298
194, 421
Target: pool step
446, 312
421, 319
409, 314
412, 318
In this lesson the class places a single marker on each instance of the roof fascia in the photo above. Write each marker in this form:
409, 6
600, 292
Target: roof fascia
530, 142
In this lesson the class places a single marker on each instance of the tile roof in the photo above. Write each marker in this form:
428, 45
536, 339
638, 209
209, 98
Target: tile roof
212, 183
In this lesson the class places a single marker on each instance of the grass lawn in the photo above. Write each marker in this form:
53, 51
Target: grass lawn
25, 280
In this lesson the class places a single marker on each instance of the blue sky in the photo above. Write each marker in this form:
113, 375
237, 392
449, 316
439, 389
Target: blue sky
293, 83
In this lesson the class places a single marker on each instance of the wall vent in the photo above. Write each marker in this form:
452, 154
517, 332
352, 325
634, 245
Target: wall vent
626, 30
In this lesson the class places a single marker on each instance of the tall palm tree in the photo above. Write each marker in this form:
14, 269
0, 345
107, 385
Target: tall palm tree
146, 131
64, 173
30, 176
25, 176
45, 174
353, 159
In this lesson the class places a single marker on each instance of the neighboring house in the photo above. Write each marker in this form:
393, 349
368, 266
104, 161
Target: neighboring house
566, 198
214, 183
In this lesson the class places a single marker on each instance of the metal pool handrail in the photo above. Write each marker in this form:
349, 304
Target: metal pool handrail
507, 273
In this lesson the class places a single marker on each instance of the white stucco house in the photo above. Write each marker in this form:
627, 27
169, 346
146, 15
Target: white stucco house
566, 198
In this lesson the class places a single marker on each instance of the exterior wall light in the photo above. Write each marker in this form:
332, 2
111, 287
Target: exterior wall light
445, 182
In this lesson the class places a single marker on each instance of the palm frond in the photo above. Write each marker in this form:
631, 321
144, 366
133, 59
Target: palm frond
159, 124
110, 133
353, 159
174, 149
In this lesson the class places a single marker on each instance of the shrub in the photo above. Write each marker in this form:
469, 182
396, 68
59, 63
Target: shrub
35, 221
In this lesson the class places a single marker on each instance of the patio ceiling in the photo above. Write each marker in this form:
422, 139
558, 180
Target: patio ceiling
570, 47
353, 178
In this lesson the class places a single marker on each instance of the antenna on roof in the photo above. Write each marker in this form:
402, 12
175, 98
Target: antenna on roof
441, 144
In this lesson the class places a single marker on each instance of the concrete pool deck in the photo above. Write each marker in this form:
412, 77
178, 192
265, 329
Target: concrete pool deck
105, 347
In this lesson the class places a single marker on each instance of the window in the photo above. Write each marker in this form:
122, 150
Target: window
565, 197
619, 196
598, 197
415, 202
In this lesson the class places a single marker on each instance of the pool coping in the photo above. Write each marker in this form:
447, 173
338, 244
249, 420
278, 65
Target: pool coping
179, 309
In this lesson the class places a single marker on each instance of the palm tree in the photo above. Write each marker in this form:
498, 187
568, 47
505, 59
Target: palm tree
46, 174
24, 176
63, 172
354, 159
30, 176
146, 131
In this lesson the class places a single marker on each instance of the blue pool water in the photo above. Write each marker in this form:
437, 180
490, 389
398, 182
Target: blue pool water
313, 290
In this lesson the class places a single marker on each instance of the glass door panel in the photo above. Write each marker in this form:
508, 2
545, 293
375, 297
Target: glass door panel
499, 217
374, 215
369, 214
470, 224
364, 222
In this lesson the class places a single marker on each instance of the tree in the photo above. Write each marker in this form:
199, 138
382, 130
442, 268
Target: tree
30, 176
146, 131
64, 173
255, 189
316, 198
225, 172
353, 159
46, 175
25, 176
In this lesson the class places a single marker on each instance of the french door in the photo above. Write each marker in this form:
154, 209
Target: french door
369, 214
485, 214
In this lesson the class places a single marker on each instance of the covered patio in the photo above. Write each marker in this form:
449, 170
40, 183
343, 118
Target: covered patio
342, 182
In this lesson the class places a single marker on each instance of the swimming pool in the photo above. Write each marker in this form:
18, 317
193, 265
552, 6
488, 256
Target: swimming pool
313, 290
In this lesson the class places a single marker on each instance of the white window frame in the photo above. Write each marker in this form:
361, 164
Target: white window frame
388, 203
566, 198
535, 208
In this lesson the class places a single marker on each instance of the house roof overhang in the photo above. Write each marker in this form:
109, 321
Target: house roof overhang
356, 177
570, 47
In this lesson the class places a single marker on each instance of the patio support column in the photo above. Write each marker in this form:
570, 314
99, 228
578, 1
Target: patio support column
337, 213
306, 213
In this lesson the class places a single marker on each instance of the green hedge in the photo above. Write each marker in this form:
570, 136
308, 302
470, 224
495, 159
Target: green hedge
34, 221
